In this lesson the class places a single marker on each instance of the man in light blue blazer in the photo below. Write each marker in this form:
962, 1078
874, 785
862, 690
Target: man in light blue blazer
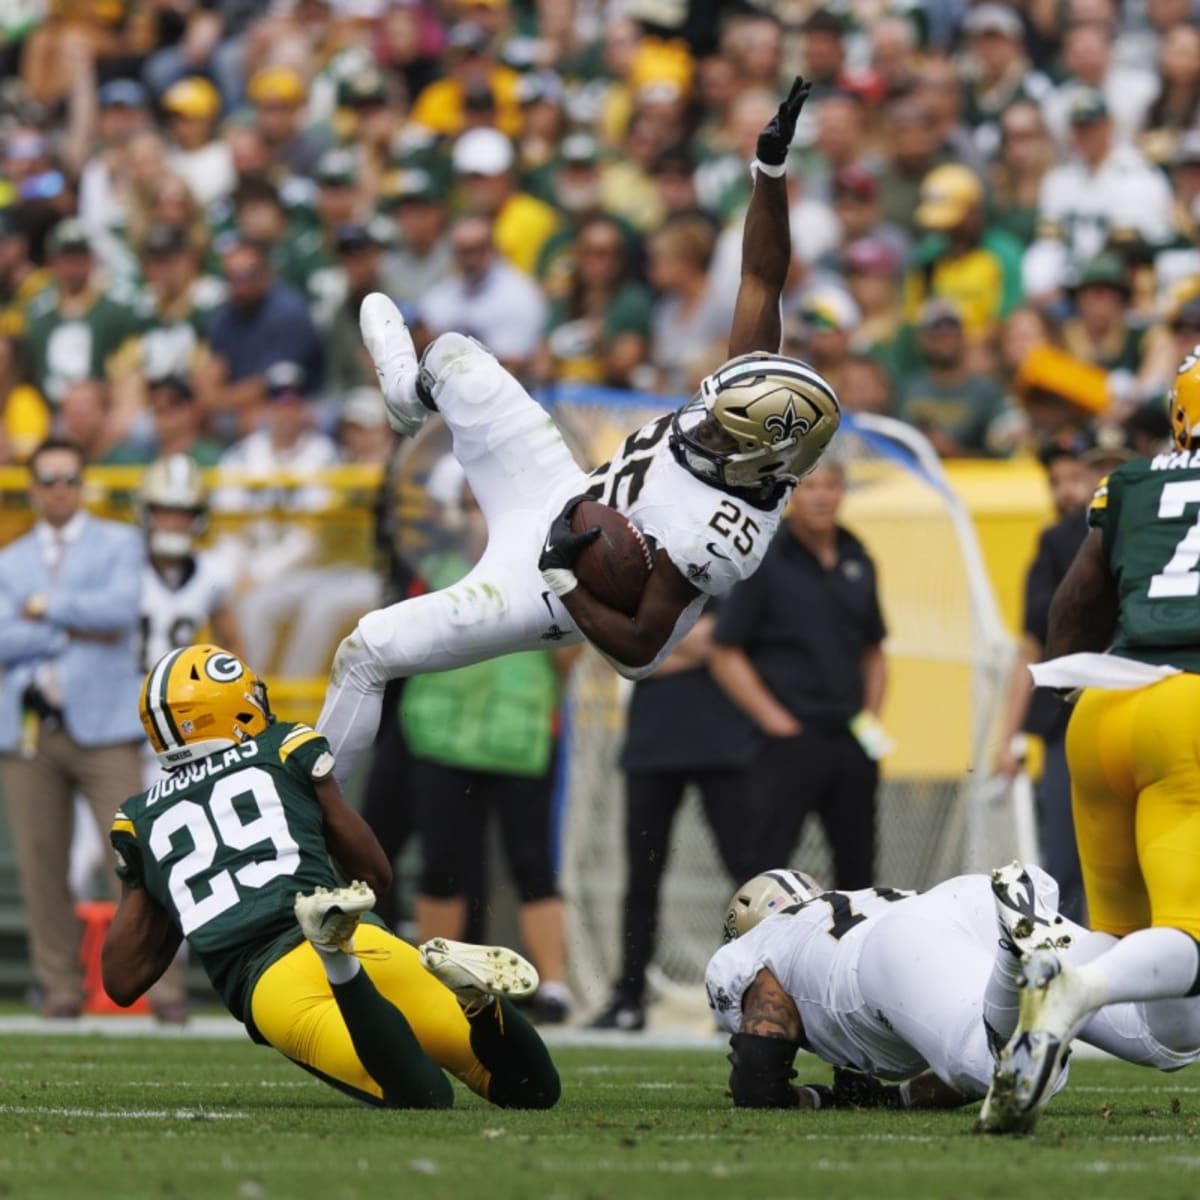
69, 593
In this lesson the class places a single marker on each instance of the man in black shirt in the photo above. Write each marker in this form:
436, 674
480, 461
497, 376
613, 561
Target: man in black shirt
1072, 473
680, 729
798, 647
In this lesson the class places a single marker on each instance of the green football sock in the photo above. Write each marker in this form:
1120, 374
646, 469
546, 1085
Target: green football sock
523, 1076
388, 1048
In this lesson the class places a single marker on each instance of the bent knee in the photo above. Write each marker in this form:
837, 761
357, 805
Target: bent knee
450, 350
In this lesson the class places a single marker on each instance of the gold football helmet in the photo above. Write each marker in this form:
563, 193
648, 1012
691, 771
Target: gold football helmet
174, 482
761, 419
1184, 403
766, 894
199, 700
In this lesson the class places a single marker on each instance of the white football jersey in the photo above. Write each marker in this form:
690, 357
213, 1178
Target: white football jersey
172, 616
714, 538
815, 954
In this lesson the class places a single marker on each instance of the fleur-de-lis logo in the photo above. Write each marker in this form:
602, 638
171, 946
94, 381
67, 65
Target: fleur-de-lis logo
784, 426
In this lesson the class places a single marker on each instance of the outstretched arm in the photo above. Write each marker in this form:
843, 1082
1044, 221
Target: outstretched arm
766, 239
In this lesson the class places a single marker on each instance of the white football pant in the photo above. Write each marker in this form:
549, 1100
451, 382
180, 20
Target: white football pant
521, 472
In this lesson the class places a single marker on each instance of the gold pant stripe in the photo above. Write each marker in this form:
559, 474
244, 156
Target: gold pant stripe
294, 1009
1135, 790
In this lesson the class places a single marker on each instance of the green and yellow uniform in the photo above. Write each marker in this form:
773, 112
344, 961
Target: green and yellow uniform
223, 845
1135, 755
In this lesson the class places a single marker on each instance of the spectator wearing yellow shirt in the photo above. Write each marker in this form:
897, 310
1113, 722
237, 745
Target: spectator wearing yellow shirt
484, 161
440, 107
24, 415
959, 260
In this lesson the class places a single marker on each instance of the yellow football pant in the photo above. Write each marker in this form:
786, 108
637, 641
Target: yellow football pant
294, 1009
1135, 790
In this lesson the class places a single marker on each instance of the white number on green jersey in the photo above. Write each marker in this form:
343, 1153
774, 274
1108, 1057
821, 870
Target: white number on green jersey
199, 893
1179, 577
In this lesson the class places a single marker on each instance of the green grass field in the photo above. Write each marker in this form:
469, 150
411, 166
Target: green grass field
106, 1117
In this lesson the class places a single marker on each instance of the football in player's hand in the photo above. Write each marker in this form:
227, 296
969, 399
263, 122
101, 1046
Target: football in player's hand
616, 566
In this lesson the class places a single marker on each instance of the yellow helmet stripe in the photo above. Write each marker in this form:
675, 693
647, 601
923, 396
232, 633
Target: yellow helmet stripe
156, 702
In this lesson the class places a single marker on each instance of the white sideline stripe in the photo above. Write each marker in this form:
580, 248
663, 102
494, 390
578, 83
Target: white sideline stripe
219, 1028
156, 1114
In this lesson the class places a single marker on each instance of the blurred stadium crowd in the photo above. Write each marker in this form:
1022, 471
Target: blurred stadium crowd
994, 207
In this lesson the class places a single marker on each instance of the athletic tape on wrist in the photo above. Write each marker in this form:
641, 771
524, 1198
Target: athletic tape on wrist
769, 169
560, 580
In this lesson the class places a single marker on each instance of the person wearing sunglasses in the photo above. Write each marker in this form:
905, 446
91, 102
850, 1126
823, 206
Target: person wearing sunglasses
69, 705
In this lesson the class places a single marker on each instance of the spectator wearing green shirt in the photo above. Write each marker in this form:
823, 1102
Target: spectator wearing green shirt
945, 400
73, 328
1101, 331
600, 331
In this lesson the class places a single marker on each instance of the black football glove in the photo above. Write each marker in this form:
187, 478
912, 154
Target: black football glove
817, 1095
853, 1089
776, 138
562, 548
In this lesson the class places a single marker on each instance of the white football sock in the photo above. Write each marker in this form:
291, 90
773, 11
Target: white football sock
339, 966
1001, 1002
1151, 964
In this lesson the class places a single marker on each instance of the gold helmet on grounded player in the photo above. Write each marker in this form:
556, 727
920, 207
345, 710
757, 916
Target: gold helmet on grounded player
766, 894
199, 700
758, 419
1183, 403
174, 482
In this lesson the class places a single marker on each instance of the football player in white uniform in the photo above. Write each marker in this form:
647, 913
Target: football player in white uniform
184, 589
705, 486
921, 988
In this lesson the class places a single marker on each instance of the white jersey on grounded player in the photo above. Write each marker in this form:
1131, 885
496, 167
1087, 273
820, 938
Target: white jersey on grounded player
715, 538
815, 956
174, 611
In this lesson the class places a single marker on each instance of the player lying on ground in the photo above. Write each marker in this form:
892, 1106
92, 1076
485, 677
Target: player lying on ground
236, 850
884, 984
706, 486
1131, 748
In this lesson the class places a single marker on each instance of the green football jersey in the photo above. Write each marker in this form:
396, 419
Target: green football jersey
65, 349
1149, 512
224, 845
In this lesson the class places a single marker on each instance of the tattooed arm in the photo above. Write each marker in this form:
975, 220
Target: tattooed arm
762, 1053
768, 1011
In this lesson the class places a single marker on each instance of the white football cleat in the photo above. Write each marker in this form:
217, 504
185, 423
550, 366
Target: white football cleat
1026, 924
475, 974
329, 916
390, 345
1054, 1003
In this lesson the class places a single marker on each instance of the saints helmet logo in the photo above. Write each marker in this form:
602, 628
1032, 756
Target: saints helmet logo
785, 425
224, 668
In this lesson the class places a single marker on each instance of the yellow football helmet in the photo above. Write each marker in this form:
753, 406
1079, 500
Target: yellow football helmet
199, 700
761, 419
173, 482
1184, 403
766, 894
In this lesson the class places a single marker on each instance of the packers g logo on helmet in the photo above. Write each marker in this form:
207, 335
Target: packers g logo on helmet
199, 700
1184, 402
760, 419
764, 896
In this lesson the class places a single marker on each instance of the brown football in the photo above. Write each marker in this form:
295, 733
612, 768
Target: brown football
616, 566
